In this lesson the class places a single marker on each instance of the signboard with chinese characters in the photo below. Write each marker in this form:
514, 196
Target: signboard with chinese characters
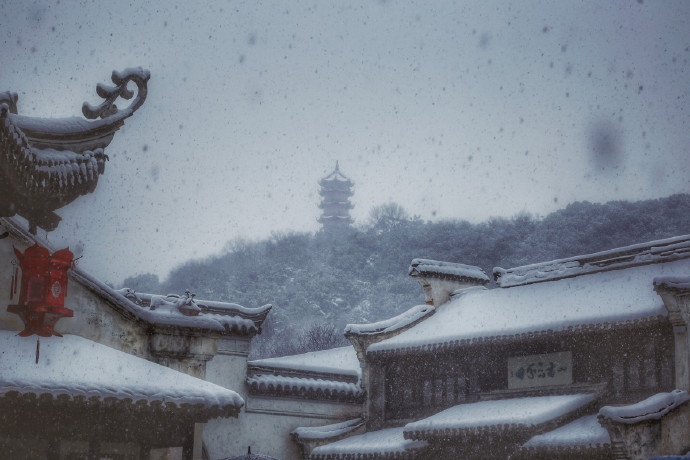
540, 370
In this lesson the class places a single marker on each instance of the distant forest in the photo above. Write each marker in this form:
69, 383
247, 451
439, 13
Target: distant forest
319, 282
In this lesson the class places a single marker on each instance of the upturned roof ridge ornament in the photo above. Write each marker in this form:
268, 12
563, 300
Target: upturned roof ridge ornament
46, 164
9, 100
110, 94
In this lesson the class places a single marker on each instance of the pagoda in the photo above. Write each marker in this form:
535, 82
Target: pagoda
336, 190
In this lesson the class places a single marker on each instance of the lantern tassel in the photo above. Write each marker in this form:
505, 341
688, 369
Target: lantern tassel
38, 350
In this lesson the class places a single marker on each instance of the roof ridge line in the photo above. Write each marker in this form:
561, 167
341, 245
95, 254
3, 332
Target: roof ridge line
656, 251
458, 343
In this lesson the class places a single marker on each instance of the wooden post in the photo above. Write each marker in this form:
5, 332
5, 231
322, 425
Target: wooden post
377, 397
188, 444
188, 451
94, 449
53, 449
144, 451
198, 440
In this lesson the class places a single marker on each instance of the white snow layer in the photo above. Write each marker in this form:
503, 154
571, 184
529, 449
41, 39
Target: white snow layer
584, 431
652, 408
174, 317
391, 324
166, 310
437, 267
74, 366
153, 301
528, 411
474, 313
342, 360
387, 441
297, 384
306, 433
70, 125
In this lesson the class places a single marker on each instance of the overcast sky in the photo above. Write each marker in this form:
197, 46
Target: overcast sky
451, 109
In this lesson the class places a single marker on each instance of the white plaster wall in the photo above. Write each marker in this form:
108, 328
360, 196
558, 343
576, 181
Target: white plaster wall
268, 432
264, 423
229, 371
442, 288
93, 319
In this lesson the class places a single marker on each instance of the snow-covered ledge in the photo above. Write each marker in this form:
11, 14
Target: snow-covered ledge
650, 428
363, 335
308, 438
439, 279
675, 292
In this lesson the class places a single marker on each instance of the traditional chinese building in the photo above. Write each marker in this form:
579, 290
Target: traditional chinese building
133, 375
282, 394
144, 376
123, 377
126, 377
585, 357
46, 164
336, 190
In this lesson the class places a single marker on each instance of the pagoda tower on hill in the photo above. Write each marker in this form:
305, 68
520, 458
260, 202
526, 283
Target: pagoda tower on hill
336, 190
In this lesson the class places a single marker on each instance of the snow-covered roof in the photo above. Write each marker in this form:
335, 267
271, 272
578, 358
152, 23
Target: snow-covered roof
341, 360
51, 177
54, 161
335, 177
584, 431
504, 414
652, 408
389, 325
186, 311
448, 270
75, 367
311, 388
601, 300
103, 120
335, 430
665, 250
221, 317
334, 218
250, 456
673, 283
387, 443
327, 374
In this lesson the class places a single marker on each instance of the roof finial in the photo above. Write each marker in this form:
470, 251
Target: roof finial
337, 168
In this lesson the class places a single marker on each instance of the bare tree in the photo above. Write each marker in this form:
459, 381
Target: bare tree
320, 336
387, 216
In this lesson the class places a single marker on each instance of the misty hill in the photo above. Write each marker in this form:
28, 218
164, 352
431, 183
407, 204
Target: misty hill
318, 283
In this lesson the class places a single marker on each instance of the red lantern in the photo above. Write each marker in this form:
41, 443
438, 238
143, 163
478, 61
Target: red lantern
43, 290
